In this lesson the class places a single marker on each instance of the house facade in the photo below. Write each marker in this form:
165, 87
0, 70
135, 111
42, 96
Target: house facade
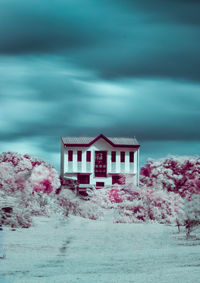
99, 161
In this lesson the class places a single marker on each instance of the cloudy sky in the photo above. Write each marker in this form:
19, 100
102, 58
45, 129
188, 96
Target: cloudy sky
85, 67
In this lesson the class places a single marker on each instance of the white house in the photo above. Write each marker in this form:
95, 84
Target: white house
98, 161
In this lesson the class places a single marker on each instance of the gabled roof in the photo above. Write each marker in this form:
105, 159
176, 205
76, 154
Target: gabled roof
88, 141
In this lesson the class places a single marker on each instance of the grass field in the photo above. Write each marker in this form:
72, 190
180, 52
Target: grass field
81, 250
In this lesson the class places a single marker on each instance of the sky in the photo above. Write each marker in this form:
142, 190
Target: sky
84, 67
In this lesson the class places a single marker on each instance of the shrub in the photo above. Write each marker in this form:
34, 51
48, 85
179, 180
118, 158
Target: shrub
71, 204
180, 175
27, 185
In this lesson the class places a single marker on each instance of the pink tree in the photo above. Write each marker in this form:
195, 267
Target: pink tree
25, 183
180, 175
43, 179
147, 204
144, 204
22, 171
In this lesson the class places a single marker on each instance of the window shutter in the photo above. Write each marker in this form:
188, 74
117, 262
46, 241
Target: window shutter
79, 156
88, 156
122, 156
70, 155
131, 156
113, 156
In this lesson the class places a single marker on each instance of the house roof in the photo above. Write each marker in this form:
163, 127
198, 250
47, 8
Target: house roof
88, 141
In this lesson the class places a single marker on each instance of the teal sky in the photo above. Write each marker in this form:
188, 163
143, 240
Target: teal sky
85, 67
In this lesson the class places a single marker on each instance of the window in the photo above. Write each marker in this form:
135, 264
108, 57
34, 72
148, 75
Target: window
100, 184
117, 179
70, 155
79, 155
131, 156
88, 156
83, 178
113, 156
122, 156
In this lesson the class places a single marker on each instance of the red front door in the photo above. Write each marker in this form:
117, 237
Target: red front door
100, 164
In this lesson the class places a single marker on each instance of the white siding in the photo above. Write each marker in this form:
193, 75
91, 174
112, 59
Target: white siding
84, 160
62, 152
117, 161
127, 167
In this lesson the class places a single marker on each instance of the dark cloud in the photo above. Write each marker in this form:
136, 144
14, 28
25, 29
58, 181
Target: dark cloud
45, 26
141, 59
84, 67
57, 101
114, 39
152, 39
170, 11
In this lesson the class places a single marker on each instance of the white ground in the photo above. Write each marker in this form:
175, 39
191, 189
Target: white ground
80, 250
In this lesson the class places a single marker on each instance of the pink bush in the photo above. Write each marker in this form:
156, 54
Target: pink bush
180, 175
150, 204
19, 172
44, 186
115, 195
7, 177
146, 171
71, 204
140, 204
43, 179
27, 185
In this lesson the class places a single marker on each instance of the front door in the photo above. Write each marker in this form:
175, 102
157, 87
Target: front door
100, 164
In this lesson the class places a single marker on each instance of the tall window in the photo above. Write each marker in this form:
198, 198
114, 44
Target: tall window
131, 156
88, 156
79, 155
122, 156
113, 156
70, 155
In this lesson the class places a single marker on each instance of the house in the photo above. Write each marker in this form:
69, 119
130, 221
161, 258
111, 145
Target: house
99, 161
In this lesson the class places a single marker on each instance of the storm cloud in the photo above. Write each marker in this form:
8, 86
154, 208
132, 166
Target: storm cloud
113, 38
121, 68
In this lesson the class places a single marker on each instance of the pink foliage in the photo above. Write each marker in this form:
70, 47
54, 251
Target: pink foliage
115, 196
44, 187
140, 204
43, 179
146, 171
178, 175
150, 204
25, 187
76, 206
7, 177
18, 172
